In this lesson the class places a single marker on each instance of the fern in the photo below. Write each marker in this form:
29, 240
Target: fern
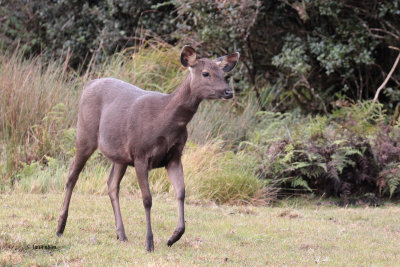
315, 170
349, 151
341, 160
298, 181
317, 127
391, 174
345, 153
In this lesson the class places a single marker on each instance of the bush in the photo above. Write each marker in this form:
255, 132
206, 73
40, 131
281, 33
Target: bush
300, 53
84, 28
352, 152
349, 154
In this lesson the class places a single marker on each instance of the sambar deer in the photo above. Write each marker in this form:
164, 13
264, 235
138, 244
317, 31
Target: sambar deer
144, 129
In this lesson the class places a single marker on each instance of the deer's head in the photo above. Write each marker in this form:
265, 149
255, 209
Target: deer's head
207, 76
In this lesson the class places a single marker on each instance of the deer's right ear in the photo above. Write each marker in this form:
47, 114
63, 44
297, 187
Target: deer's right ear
188, 56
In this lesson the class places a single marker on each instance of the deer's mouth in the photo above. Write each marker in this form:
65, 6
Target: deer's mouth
226, 94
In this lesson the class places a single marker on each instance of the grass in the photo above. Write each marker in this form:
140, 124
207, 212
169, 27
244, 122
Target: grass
211, 174
153, 66
294, 233
223, 120
31, 90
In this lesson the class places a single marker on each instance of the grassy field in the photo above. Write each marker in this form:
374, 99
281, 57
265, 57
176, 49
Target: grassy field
293, 233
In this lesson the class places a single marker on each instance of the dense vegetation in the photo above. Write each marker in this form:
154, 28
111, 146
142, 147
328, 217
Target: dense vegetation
302, 119
304, 54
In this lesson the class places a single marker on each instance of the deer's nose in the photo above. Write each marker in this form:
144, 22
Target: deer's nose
228, 93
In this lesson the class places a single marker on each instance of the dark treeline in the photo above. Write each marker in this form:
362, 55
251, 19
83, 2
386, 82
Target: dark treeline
307, 54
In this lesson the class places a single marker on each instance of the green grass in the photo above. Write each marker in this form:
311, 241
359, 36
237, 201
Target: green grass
295, 233
211, 174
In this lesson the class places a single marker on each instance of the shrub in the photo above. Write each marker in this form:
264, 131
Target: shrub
84, 28
223, 177
349, 154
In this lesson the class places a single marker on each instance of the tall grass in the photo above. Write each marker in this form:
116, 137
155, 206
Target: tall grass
30, 90
210, 174
223, 120
153, 66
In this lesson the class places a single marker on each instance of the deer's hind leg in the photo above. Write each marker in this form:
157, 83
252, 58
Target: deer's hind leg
116, 175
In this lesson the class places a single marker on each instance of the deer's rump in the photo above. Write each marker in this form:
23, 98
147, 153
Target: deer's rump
113, 117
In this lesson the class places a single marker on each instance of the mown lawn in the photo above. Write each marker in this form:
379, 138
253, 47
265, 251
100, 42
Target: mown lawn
295, 233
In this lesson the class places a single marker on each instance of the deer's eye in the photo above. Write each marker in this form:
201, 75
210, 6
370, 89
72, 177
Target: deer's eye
205, 74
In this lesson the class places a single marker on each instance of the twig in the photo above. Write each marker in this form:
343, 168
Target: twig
394, 48
387, 77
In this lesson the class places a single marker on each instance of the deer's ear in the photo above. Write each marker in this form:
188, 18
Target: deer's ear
228, 62
188, 56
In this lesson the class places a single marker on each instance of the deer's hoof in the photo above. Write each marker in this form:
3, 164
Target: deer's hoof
175, 236
150, 246
59, 234
122, 238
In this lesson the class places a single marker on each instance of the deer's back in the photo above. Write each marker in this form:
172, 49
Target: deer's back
110, 95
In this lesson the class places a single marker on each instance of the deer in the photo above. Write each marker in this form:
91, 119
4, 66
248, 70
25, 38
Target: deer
144, 129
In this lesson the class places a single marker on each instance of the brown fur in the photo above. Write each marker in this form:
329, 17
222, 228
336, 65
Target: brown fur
144, 129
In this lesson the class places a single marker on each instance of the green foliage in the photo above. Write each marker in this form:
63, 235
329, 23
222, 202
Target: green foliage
318, 48
293, 56
300, 182
317, 126
225, 121
341, 154
293, 53
83, 28
154, 66
390, 179
38, 178
230, 180
361, 118
48, 130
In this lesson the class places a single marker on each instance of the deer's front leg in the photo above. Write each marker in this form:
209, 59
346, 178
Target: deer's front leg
142, 176
117, 172
175, 174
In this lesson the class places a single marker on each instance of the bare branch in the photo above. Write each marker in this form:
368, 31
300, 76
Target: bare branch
387, 78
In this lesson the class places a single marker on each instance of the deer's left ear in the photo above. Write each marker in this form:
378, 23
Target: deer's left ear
228, 62
188, 56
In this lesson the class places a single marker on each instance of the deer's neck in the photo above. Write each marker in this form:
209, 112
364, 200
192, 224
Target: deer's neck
183, 103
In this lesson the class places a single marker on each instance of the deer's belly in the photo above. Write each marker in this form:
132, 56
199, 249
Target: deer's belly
115, 151
156, 152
